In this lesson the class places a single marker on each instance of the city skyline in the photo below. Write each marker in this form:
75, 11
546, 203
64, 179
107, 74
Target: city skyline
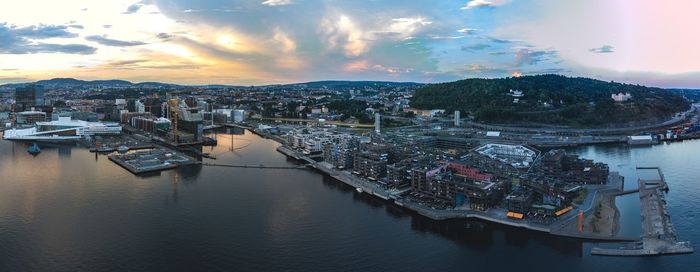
283, 41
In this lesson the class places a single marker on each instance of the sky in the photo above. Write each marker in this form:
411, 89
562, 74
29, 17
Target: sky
254, 42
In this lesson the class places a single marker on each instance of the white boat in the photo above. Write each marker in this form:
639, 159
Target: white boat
358, 189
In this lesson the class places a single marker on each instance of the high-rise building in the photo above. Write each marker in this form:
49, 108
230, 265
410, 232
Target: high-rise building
377, 123
28, 97
238, 116
457, 119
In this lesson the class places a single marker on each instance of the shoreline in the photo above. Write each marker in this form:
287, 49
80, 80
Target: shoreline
562, 227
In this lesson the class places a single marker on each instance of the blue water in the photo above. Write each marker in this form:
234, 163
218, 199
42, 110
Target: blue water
70, 210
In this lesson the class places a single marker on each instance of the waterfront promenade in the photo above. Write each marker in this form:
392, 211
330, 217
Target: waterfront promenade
601, 216
563, 226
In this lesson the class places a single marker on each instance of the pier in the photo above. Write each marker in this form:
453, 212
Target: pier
140, 162
261, 166
658, 234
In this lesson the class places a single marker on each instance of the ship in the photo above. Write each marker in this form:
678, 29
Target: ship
34, 149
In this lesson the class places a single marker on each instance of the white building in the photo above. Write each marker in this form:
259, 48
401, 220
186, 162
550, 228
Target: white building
238, 116
517, 156
312, 140
63, 129
458, 119
140, 107
640, 140
620, 97
515, 93
377, 123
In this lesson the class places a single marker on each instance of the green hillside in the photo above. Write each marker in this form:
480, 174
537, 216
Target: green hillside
550, 99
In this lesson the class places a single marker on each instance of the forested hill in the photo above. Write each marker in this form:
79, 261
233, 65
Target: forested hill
550, 99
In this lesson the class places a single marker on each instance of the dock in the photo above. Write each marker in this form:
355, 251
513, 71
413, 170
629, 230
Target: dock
658, 234
261, 166
140, 162
112, 149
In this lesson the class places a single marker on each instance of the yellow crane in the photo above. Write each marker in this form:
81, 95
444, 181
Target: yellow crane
173, 106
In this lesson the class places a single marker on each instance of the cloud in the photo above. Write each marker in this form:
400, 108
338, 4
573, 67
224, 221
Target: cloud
103, 40
483, 70
603, 49
527, 56
313, 39
342, 32
41, 31
473, 4
277, 2
134, 64
133, 8
126, 62
164, 36
467, 30
497, 40
14, 80
80, 49
25, 40
549, 71
475, 47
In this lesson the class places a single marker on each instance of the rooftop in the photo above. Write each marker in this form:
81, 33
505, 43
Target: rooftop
516, 155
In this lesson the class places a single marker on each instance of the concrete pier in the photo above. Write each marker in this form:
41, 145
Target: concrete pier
658, 235
151, 161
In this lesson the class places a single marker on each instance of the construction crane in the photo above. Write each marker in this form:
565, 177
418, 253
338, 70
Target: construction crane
173, 107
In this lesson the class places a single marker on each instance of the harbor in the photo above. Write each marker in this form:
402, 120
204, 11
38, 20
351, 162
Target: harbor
344, 201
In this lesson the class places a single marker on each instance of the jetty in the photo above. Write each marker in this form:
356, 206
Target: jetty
140, 162
658, 234
260, 166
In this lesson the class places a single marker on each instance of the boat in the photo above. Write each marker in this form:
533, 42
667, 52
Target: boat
358, 189
34, 149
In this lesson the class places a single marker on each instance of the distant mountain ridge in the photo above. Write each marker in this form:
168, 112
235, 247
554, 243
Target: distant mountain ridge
115, 83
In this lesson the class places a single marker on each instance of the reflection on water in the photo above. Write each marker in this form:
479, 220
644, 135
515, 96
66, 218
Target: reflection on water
68, 209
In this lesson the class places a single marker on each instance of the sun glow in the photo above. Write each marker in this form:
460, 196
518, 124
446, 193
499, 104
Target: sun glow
225, 40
